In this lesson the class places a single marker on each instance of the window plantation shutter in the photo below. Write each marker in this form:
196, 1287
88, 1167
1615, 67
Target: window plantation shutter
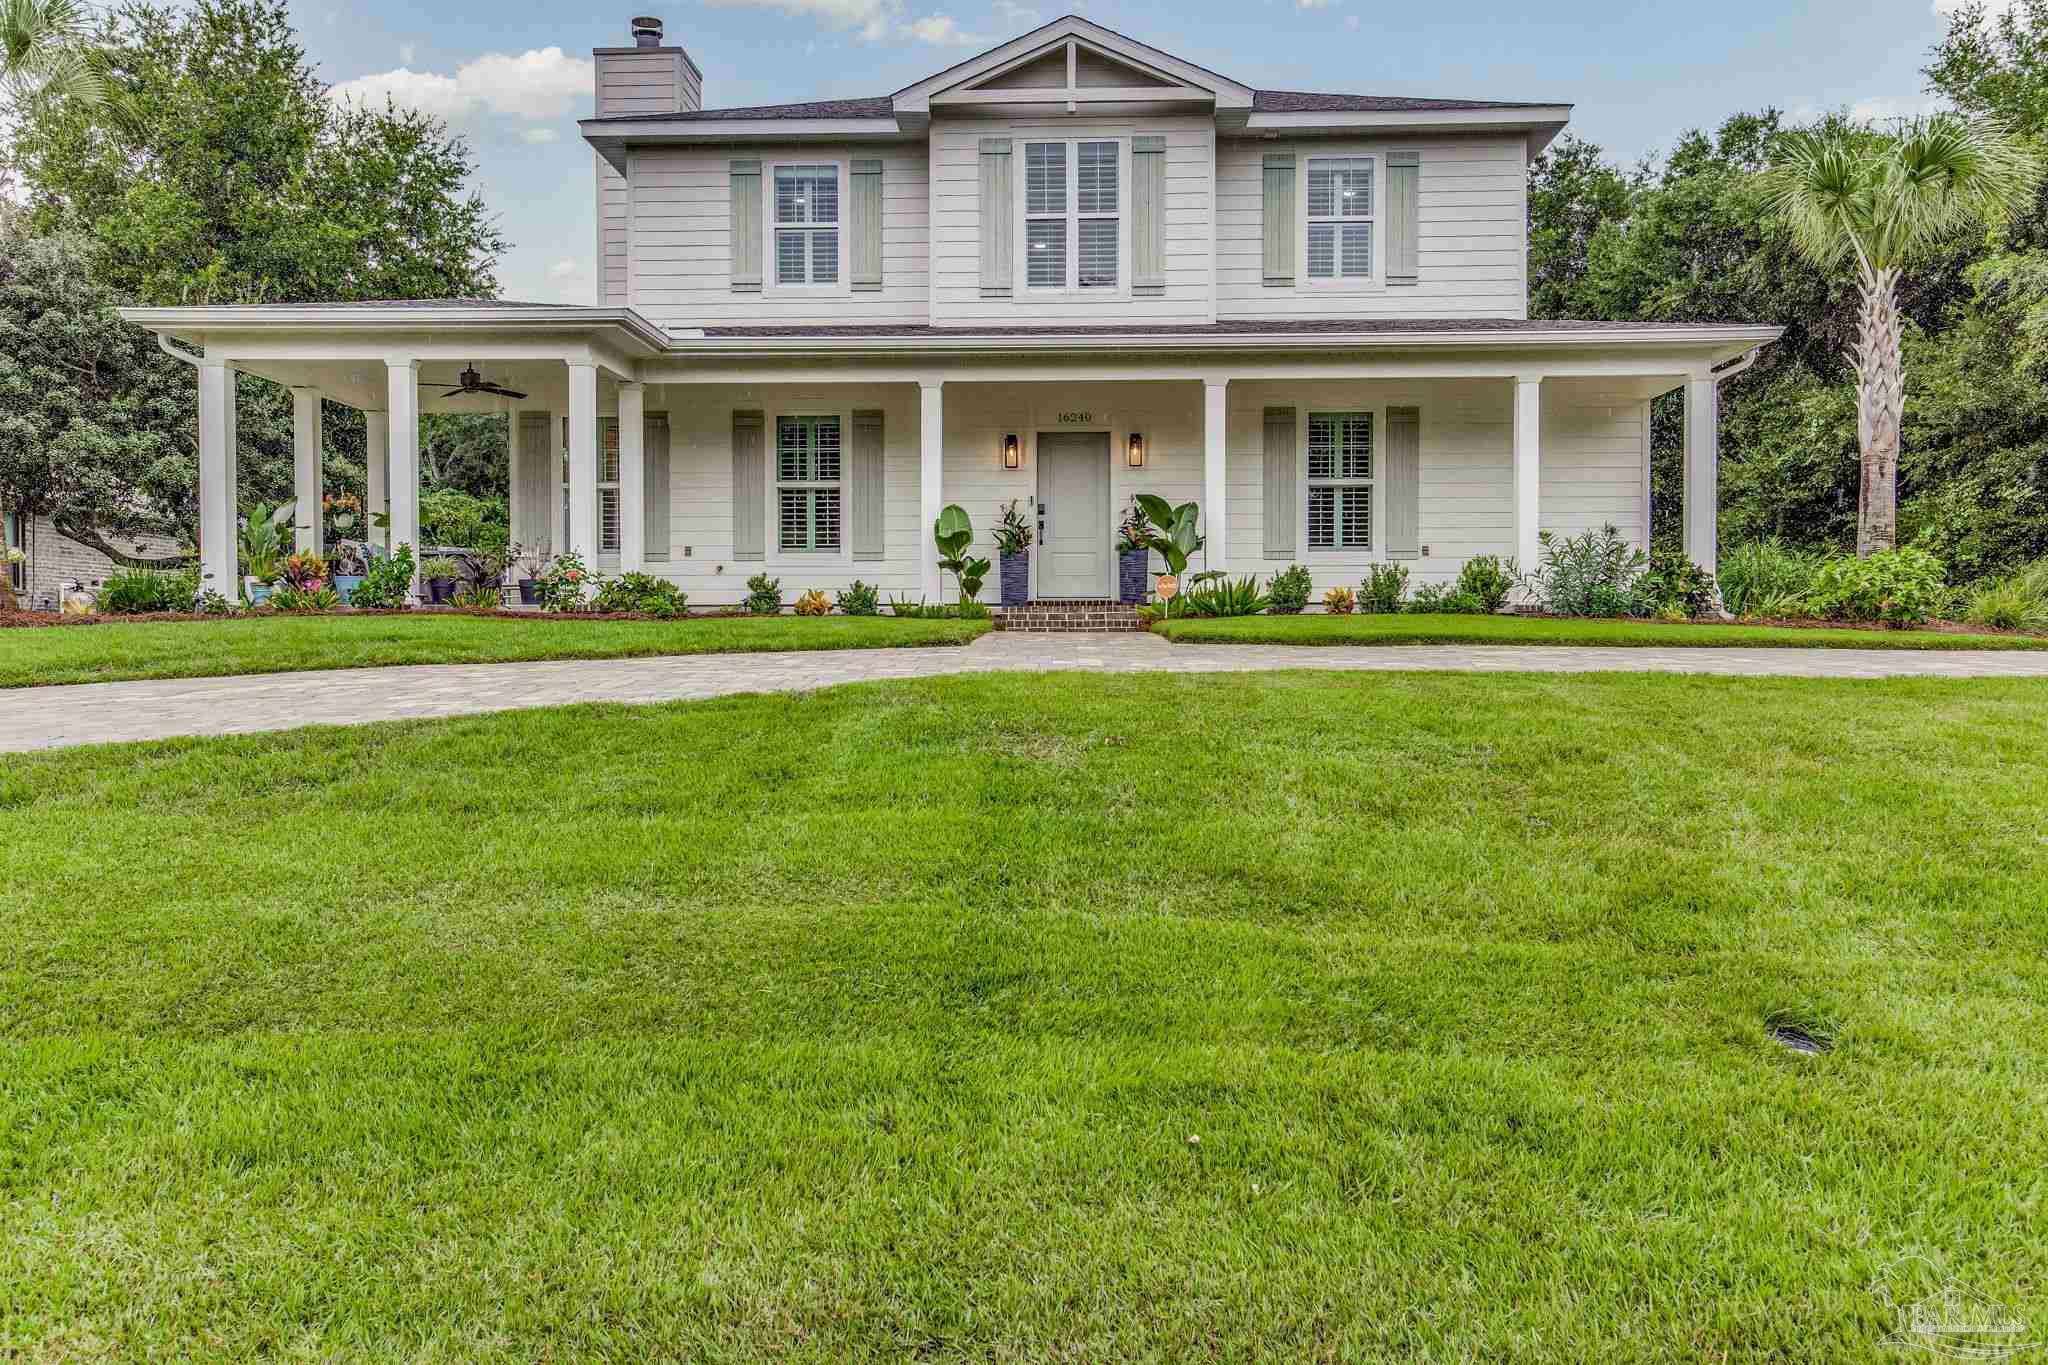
749, 487
654, 453
1402, 476
746, 227
1282, 492
864, 214
1148, 216
608, 474
996, 268
1404, 217
864, 487
1279, 220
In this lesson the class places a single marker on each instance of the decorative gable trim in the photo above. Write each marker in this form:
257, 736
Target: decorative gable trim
1184, 80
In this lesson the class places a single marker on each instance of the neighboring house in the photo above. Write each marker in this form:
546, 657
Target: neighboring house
55, 560
1069, 269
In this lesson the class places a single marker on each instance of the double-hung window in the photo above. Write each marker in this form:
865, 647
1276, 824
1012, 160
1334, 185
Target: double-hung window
608, 485
1072, 225
807, 483
1340, 219
807, 225
1340, 481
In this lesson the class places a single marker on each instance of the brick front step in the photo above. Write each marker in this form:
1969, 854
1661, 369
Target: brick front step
1092, 615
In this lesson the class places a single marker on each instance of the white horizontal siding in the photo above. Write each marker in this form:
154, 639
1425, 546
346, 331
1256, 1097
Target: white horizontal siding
1591, 473
1472, 235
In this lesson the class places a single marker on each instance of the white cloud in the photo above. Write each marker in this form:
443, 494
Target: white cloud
566, 268
542, 83
1016, 16
537, 136
1880, 109
940, 31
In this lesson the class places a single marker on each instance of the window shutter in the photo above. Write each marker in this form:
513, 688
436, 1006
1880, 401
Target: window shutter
1279, 220
997, 273
1401, 475
1404, 216
864, 476
749, 487
746, 227
864, 222
1148, 216
539, 501
1282, 491
655, 456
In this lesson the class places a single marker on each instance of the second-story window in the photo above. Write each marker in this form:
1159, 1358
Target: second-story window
1340, 218
1072, 230
806, 224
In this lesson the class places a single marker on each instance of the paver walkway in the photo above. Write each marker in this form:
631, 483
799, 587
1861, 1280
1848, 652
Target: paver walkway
96, 713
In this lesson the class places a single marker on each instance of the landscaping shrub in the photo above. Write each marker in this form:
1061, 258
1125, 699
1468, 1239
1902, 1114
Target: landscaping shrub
764, 595
292, 597
388, 584
1898, 587
2007, 604
1339, 601
860, 599
130, 592
1764, 573
1674, 585
1384, 587
1227, 597
471, 597
561, 583
1289, 591
641, 592
813, 603
1445, 599
1590, 574
1487, 582
451, 517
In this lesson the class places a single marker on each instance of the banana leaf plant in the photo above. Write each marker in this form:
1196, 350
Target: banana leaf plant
953, 533
1172, 531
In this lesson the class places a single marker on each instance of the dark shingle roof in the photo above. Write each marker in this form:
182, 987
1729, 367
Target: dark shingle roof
879, 106
1263, 102
1240, 327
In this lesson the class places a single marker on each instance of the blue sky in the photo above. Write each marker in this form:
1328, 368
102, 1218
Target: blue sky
515, 75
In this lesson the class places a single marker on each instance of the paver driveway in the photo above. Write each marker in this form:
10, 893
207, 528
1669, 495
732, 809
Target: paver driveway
95, 713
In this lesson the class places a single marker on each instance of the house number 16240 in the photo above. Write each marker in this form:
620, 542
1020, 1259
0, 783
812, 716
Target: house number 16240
1070, 419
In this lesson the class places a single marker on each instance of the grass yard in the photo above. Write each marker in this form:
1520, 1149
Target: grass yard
1282, 1016
1406, 629
277, 644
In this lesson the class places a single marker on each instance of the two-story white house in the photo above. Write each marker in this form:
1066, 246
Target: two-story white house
1069, 269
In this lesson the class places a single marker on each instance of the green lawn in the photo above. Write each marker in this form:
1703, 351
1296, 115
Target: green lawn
1407, 629
277, 644
1280, 1016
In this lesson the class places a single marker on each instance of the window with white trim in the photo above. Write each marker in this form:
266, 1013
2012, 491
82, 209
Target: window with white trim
1073, 229
806, 224
807, 483
608, 485
1340, 480
1340, 217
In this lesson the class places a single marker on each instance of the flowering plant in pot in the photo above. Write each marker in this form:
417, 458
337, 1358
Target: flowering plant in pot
1014, 535
1132, 557
351, 561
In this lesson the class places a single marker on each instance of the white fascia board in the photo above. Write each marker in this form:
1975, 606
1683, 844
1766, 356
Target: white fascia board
640, 336
609, 138
916, 99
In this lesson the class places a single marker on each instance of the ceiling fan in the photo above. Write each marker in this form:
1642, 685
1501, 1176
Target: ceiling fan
470, 382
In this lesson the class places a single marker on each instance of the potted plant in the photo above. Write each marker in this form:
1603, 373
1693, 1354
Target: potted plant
1131, 557
1171, 532
440, 572
351, 562
1013, 540
529, 561
953, 533
486, 564
262, 546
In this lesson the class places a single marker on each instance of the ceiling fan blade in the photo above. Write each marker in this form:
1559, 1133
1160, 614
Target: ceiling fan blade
455, 393
501, 391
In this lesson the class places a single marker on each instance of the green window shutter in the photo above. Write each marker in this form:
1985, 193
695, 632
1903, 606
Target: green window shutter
749, 486
864, 221
1404, 217
539, 499
1148, 216
1279, 220
997, 272
1401, 476
1282, 489
865, 527
746, 227
658, 512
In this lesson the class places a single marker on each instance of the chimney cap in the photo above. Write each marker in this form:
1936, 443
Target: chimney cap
646, 31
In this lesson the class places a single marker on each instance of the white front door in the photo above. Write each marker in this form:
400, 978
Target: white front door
1073, 509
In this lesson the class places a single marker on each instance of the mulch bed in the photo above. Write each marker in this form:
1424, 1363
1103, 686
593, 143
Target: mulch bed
32, 619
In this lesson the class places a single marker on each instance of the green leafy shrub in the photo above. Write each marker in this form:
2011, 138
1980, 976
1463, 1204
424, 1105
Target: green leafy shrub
1590, 574
442, 566
388, 584
451, 517
2006, 604
214, 604
640, 592
560, 584
1675, 586
1014, 532
1227, 597
292, 597
1446, 599
132, 592
1487, 581
1384, 587
472, 597
764, 595
1898, 587
1764, 572
1289, 590
859, 599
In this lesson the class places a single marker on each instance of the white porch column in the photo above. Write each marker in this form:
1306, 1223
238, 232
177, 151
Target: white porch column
306, 472
219, 536
583, 461
1702, 472
1215, 514
1528, 482
632, 478
377, 463
931, 460
402, 408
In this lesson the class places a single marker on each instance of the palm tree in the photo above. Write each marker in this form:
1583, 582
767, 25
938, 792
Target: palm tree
1883, 197
47, 53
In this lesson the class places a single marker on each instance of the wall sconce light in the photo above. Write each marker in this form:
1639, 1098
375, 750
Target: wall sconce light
1137, 456
1013, 452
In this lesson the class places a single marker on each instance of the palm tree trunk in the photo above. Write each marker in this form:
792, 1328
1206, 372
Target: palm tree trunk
1880, 412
